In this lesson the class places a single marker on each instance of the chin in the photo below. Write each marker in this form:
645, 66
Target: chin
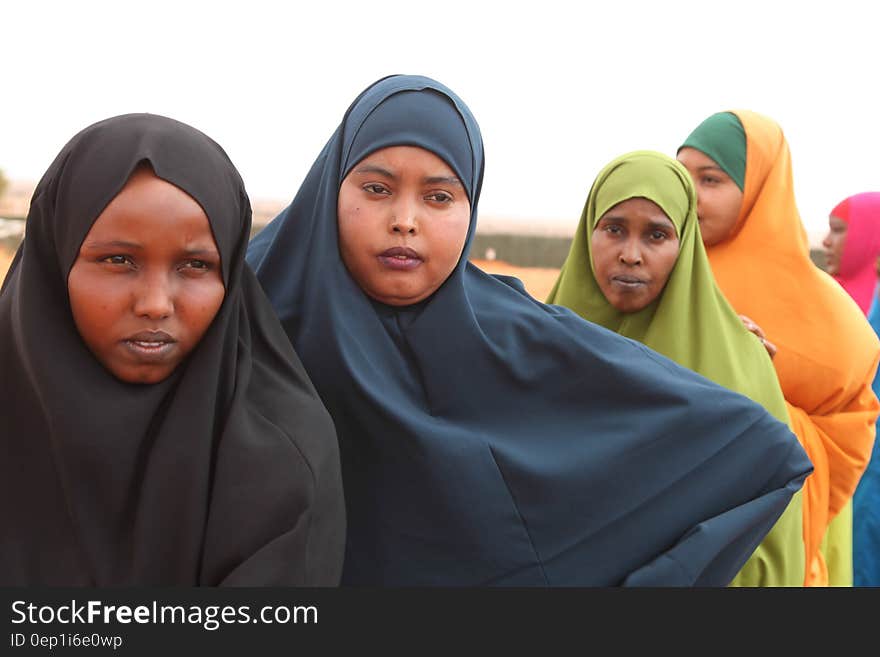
629, 307
142, 378
400, 297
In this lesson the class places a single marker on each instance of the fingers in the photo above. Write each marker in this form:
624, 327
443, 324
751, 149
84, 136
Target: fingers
754, 328
751, 326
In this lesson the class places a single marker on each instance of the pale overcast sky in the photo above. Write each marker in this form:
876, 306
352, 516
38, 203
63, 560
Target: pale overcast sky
559, 88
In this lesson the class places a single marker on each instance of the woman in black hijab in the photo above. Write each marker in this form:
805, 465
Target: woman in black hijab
488, 438
161, 457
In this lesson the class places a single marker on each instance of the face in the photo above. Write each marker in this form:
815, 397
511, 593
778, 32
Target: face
833, 244
718, 197
634, 247
147, 282
403, 221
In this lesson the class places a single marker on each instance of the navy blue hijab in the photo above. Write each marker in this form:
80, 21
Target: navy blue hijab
488, 438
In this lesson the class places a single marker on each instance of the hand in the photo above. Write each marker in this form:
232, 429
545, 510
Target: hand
754, 328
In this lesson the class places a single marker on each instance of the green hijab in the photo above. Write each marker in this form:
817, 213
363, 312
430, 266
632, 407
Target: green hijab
723, 138
689, 322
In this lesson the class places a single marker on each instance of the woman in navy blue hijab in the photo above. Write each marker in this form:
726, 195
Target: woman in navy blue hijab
488, 438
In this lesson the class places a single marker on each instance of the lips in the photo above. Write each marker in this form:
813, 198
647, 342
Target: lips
400, 258
628, 281
150, 337
150, 346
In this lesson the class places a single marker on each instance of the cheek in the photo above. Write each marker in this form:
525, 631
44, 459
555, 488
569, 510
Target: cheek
732, 203
600, 263
95, 304
454, 235
200, 304
601, 254
350, 250
717, 205
355, 231
664, 259
667, 264
347, 215
709, 204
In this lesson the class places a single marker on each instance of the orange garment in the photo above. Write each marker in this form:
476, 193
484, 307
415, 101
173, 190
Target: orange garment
827, 352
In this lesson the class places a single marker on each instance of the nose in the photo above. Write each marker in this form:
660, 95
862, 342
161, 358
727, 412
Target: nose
826, 241
403, 218
630, 253
154, 297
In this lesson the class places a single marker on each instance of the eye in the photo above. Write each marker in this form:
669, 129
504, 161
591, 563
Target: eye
197, 266
117, 260
658, 235
376, 188
440, 197
613, 229
710, 180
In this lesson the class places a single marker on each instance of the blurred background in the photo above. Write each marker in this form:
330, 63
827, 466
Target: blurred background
559, 89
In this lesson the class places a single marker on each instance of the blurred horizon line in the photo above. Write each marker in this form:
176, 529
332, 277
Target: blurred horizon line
15, 202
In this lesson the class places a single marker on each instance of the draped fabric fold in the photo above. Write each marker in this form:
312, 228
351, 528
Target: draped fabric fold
488, 438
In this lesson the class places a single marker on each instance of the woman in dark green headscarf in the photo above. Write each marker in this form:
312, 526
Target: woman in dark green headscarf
637, 266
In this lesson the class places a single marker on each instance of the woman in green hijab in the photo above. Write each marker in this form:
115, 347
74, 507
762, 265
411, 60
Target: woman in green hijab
637, 266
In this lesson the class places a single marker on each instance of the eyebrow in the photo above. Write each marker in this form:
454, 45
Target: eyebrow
133, 246
202, 252
430, 180
372, 168
439, 180
711, 167
113, 244
666, 223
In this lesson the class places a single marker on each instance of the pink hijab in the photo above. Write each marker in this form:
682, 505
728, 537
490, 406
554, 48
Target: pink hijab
857, 273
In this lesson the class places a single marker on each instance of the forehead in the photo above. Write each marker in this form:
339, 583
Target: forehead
692, 158
405, 159
637, 209
152, 207
144, 191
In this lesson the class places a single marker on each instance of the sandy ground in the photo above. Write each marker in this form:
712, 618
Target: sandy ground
538, 280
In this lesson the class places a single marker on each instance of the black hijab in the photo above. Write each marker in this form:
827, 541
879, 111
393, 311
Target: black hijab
226, 472
488, 438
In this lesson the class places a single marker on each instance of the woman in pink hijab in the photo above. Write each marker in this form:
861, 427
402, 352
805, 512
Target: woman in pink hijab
852, 246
